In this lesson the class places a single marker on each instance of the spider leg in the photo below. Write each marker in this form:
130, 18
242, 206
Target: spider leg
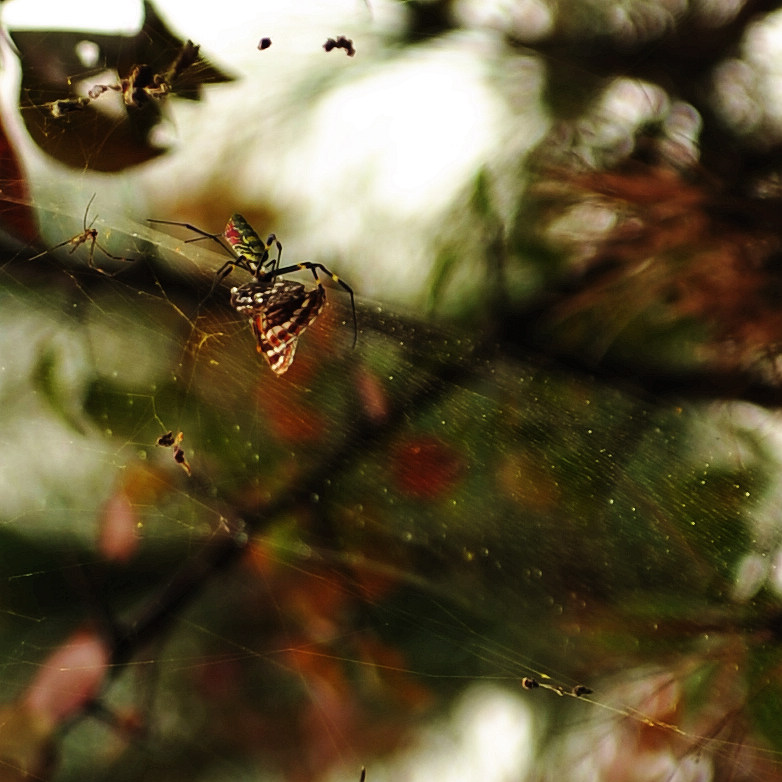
109, 255
84, 238
314, 267
91, 235
190, 227
218, 238
75, 242
52, 249
91, 259
273, 240
86, 212
225, 270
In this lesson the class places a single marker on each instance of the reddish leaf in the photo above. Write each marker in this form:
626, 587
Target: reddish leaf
372, 395
16, 217
391, 670
425, 467
69, 679
118, 534
291, 419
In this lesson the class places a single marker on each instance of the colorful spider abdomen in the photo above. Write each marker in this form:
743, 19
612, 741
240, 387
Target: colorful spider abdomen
246, 243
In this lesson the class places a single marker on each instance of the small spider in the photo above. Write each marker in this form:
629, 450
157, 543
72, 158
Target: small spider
279, 310
88, 236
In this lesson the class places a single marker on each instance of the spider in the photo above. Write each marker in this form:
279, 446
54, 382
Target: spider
88, 235
279, 310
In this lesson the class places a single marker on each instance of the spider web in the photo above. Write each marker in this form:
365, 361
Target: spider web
370, 555
382, 533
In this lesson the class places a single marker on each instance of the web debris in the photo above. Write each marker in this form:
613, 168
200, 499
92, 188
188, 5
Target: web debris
141, 85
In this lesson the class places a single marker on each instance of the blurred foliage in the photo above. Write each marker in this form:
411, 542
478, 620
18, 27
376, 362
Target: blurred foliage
540, 488
639, 239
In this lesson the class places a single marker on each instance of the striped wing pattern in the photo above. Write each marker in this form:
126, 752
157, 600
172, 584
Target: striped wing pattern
279, 311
